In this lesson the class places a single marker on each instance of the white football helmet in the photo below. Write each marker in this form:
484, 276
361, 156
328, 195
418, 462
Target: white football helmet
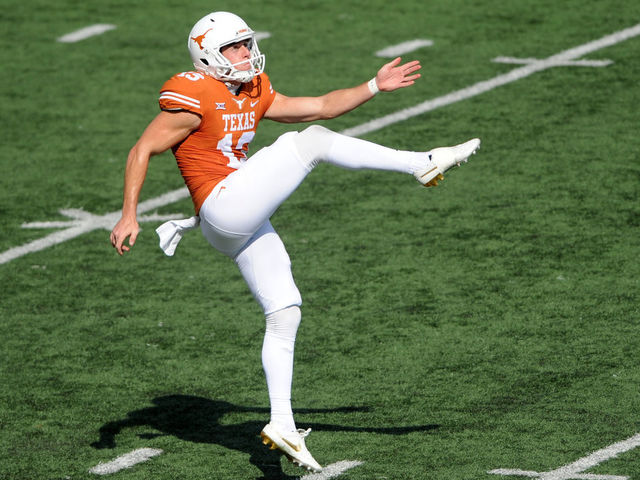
213, 32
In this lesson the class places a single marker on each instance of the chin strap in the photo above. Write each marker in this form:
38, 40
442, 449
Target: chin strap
233, 88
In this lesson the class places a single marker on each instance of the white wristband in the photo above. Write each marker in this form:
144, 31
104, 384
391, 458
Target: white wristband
373, 86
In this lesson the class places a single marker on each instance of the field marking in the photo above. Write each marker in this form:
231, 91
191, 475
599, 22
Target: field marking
568, 63
333, 470
108, 220
141, 455
574, 470
86, 32
262, 36
404, 47
127, 460
84, 222
556, 60
100, 28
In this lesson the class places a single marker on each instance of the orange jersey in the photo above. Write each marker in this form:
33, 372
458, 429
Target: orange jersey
228, 124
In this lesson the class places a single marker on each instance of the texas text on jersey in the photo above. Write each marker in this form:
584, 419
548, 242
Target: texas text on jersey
220, 144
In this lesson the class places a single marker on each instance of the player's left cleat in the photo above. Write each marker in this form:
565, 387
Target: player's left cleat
443, 158
292, 445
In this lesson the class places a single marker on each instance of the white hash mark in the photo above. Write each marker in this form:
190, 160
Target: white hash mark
402, 48
86, 32
127, 460
517, 74
262, 36
333, 470
574, 470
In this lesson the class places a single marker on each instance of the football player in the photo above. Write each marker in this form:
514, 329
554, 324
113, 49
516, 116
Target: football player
208, 118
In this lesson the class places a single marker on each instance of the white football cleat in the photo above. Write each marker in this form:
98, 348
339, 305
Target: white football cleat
292, 445
443, 158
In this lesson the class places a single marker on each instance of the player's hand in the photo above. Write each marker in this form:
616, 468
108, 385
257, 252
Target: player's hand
393, 75
126, 227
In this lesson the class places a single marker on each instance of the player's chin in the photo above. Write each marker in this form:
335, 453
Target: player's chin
244, 67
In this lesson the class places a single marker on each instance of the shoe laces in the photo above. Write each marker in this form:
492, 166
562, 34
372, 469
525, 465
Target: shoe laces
304, 433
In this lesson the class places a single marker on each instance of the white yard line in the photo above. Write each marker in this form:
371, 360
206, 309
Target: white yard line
333, 470
577, 476
93, 222
574, 470
482, 87
141, 455
127, 460
84, 222
515, 471
86, 32
568, 63
596, 458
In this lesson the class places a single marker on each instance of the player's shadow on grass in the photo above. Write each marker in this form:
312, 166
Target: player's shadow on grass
197, 419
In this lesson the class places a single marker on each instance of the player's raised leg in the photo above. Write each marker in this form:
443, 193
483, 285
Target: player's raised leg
248, 197
318, 144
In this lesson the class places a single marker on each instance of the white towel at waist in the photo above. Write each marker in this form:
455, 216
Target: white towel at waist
171, 232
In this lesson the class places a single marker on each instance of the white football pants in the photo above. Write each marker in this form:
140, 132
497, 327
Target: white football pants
235, 220
235, 216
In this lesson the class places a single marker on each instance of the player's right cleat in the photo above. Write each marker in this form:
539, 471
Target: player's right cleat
292, 445
443, 158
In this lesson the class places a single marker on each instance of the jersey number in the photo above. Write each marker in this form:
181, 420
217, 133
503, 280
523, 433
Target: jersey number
193, 76
226, 147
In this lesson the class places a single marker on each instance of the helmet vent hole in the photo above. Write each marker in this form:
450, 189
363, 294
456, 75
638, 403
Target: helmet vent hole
204, 60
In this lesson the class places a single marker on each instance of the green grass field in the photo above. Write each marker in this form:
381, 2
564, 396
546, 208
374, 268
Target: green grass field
489, 323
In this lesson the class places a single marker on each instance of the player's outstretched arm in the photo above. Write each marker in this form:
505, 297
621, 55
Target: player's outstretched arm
167, 129
390, 77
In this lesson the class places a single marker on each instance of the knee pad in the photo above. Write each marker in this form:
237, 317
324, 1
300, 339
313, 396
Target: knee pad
313, 144
284, 323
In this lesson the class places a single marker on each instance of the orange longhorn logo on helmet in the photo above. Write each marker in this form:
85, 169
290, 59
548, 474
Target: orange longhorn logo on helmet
200, 38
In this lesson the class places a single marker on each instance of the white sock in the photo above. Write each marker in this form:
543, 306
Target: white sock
317, 144
354, 153
277, 361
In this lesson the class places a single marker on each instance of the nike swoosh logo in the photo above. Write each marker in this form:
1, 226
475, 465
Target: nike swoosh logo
253, 104
427, 173
297, 448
